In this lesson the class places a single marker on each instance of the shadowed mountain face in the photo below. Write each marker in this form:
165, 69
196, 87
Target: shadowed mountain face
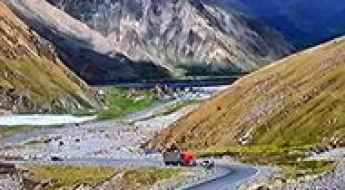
185, 37
89, 54
304, 22
32, 77
298, 101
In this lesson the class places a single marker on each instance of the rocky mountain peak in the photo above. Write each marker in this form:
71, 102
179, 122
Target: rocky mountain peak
178, 34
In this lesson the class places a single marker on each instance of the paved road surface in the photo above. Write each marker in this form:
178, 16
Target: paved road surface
230, 181
118, 163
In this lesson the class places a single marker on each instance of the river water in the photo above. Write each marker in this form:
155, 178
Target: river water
198, 93
42, 120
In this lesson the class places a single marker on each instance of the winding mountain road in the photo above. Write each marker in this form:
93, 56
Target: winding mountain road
235, 175
225, 177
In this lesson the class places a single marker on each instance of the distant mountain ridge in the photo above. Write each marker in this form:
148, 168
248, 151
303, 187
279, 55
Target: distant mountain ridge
184, 37
304, 22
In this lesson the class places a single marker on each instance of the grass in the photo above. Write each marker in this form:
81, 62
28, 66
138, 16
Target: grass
316, 119
294, 170
54, 82
121, 102
29, 69
6, 132
202, 69
68, 177
147, 177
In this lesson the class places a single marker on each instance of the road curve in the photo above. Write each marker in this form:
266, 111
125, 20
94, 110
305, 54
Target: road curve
229, 176
230, 181
101, 162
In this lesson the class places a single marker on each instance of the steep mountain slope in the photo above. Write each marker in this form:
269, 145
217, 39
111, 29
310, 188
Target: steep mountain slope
89, 54
181, 35
301, 21
297, 101
32, 78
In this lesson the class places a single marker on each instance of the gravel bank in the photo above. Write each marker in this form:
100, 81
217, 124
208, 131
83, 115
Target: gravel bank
264, 174
334, 180
119, 139
335, 155
107, 140
9, 183
191, 177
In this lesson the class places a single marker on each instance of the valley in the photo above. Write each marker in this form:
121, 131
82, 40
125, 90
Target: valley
109, 143
172, 94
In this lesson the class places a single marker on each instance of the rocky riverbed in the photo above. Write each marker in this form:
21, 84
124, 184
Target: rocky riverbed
331, 180
117, 139
116, 143
8, 183
107, 139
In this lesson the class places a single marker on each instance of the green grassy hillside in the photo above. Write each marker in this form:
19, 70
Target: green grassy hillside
32, 78
298, 102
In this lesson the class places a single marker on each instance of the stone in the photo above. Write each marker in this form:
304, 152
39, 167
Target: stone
61, 143
263, 187
56, 159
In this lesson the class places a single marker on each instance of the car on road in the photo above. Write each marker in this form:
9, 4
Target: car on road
207, 164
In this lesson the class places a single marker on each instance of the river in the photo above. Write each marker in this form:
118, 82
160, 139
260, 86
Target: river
42, 120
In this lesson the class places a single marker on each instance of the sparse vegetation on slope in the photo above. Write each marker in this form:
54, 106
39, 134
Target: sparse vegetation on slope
69, 177
32, 78
102, 178
146, 178
294, 170
41, 84
10, 131
297, 103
